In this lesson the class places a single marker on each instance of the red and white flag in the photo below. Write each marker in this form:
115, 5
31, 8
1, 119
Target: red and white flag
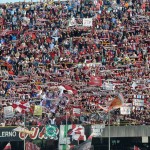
76, 111
7, 147
67, 88
116, 102
77, 133
95, 81
22, 107
31, 146
136, 148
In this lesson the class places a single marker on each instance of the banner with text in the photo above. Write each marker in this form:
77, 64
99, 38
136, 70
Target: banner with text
87, 22
8, 112
48, 132
71, 135
126, 109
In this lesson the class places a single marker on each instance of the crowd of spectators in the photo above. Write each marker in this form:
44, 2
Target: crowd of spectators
40, 51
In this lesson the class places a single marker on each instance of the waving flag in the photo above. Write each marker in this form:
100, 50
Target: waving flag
95, 81
67, 88
7, 147
22, 107
116, 102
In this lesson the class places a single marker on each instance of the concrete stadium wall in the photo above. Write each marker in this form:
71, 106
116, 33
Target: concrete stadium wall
127, 131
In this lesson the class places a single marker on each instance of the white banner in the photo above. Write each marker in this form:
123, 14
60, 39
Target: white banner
87, 22
138, 102
126, 109
97, 129
139, 96
76, 111
108, 86
8, 112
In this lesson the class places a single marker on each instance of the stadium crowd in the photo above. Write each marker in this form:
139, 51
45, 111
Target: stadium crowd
44, 46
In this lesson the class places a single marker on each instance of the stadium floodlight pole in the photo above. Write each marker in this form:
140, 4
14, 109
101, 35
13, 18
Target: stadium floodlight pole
108, 130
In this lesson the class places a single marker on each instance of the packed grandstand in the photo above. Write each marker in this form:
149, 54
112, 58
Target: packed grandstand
73, 62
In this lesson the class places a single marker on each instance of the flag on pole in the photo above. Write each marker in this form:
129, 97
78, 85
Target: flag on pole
37, 110
22, 107
7, 147
95, 81
136, 148
116, 102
